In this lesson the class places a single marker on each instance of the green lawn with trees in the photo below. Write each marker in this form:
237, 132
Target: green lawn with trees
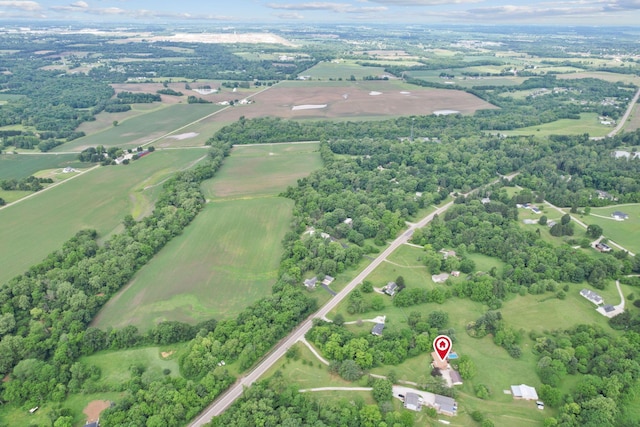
16, 166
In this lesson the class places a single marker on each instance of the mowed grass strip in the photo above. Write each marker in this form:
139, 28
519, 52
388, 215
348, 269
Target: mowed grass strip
225, 260
16, 166
265, 169
143, 128
99, 199
588, 123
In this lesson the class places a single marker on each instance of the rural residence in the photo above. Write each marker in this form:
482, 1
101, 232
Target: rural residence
446, 405
377, 329
592, 296
311, 283
440, 278
524, 392
602, 247
620, 216
391, 288
413, 402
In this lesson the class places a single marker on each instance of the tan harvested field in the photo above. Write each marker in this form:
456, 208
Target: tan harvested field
354, 101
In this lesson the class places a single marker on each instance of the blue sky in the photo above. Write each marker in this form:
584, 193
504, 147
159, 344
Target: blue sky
561, 12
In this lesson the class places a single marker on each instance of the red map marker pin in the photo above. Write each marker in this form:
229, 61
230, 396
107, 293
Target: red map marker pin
442, 346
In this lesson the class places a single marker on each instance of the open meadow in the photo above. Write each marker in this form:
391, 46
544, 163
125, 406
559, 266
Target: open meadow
16, 166
226, 259
588, 123
342, 69
229, 256
258, 170
98, 199
144, 128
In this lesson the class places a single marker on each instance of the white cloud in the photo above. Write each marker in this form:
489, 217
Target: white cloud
29, 6
291, 16
327, 6
423, 2
80, 4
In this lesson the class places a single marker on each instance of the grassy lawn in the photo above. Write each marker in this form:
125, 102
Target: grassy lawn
403, 262
12, 196
99, 199
225, 260
114, 365
143, 128
16, 166
633, 122
623, 232
344, 70
264, 169
588, 123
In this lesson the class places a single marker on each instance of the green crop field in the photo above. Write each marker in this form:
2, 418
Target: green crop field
624, 232
98, 199
225, 260
143, 128
264, 169
633, 122
342, 70
588, 123
105, 120
16, 166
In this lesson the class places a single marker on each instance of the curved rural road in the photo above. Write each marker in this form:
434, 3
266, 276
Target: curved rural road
226, 399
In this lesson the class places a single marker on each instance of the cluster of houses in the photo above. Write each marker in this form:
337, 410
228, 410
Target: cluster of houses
312, 282
602, 308
443, 404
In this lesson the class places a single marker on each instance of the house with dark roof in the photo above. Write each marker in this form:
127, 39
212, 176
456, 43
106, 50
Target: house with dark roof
602, 247
592, 296
377, 329
620, 216
456, 379
391, 288
93, 424
608, 308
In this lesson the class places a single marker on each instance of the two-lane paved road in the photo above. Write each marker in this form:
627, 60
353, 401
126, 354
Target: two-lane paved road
226, 399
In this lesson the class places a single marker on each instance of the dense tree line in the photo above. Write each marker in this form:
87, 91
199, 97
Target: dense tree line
610, 371
30, 183
47, 309
338, 344
274, 402
581, 166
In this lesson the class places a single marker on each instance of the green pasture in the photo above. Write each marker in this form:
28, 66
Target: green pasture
306, 371
104, 120
98, 199
603, 75
343, 70
226, 259
16, 166
588, 123
265, 169
144, 128
464, 81
624, 232
114, 365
